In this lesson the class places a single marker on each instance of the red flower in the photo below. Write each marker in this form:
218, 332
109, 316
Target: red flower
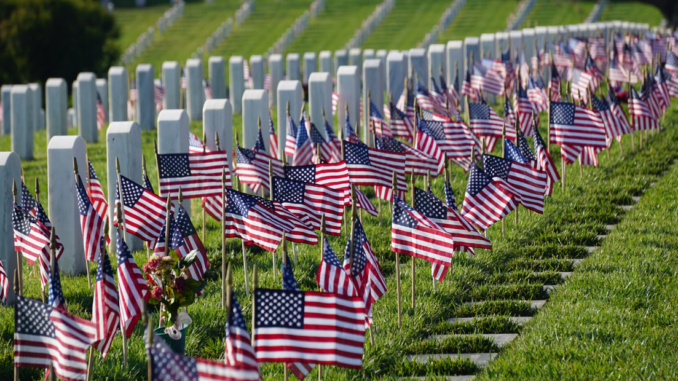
180, 284
157, 293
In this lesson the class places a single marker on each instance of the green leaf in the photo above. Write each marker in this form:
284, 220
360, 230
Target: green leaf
195, 285
188, 259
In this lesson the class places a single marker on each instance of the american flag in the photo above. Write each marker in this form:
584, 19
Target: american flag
572, 125
370, 166
185, 239
643, 119
133, 93
426, 101
524, 148
239, 352
299, 319
132, 287
486, 200
544, 161
365, 270
4, 284
485, 122
335, 102
589, 156
299, 369
91, 224
672, 67
31, 238
563, 56
252, 168
334, 140
451, 93
349, 132
661, 87
414, 234
273, 138
486, 79
144, 211
328, 151
184, 79
659, 47
536, 94
73, 336
525, 111
34, 208
196, 174
615, 71
195, 145
436, 93
267, 82
158, 94
509, 114
431, 139
581, 83
56, 295
617, 110
167, 365
642, 52
555, 84
310, 200
291, 138
302, 231
450, 200
415, 161
526, 183
96, 193
378, 119
303, 147
466, 89
629, 65
207, 88
401, 125
447, 217
652, 95
101, 113
613, 127
254, 220
105, 309
331, 275
147, 183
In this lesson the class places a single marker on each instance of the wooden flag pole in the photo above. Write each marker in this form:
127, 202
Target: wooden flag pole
414, 265
75, 171
19, 262
90, 361
52, 261
121, 232
223, 238
633, 132
427, 187
243, 249
204, 150
157, 164
284, 163
517, 127
397, 255
503, 155
270, 185
145, 175
17, 291
148, 321
255, 284
283, 247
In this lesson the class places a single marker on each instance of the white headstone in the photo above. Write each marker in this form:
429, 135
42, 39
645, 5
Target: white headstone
5, 98
173, 137
553, 35
74, 88
217, 72
123, 141
355, 58
293, 68
502, 40
56, 96
10, 173
236, 83
254, 106
436, 62
326, 61
471, 46
257, 72
102, 92
310, 65
22, 133
455, 61
288, 91
36, 93
418, 66
381, 54
368, 54
319, 99
145, 97
516, 38
395, 73
529, 42
118, 94
217, 119
87, 108
488, 47
70, 117
340, 58
541, 33
348, 89
275, 69
195, 93
63, 200
372, 89
171, 78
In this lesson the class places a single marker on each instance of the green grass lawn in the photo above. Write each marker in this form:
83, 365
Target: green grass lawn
188, 33
334, 26
479, 16
633, 11
406, 25
135, 21
558, 12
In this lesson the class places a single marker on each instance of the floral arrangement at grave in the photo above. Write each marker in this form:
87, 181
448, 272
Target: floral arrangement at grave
171, 287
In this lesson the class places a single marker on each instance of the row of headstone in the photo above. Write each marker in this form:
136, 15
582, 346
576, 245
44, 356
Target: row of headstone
146, 38
244, 12
516, 18
219, 35
370, 24
291, 34
445, 20
596, 12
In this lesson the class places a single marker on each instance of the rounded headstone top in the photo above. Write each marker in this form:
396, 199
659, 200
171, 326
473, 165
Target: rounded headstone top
216, 104
216, 59
144, 67
309, 55
8, 157
289, 85
256, 58
117, 70
275, 57
194, 62
253, 94
101, 82
371, 63
56, 82
87, 76
348, 69
172, 115
319, 77
325, 53
170, 65
417, 52
440, 47
65, 142
293, 56
235, 60
394, 55
123, 128
20, 89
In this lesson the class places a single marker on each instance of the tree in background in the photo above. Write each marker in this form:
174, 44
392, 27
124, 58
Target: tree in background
40, 39
668, 8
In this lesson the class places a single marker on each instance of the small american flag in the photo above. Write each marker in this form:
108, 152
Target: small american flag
331, 275
303, 147
555, 84
485, 79
581, 82
401, 125
185, 239
485, 122
208, 90
643, 119
660, 88
672, 67
451, 93
454, 138
101, 113
184, 79
335, 102
133, 93
426, 101
299, 318
132, 286
415, 160
450, 200
31, 238
34, 334
196, 174
291, 138
524, 148
302, 231
195, 145
651, 97
536, 94
96, 193
239, 352
74, 335
486, 201
613, 127
509, 114
467, 89
350, 132
328, 151
572, 125
615, 70
617, 110
252, 168
436, 93
334, 140
56, 295
4, 284
527, 184
158, 94
525, 111
414, 234
370, 166
273, 138
167, 365
144, 211
310, 200
91, 224
105, 309
267, 82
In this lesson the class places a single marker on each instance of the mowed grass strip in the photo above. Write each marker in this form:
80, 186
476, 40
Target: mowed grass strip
478, 17
135, 21
633, 11
406, 25
616, 316
558, 12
